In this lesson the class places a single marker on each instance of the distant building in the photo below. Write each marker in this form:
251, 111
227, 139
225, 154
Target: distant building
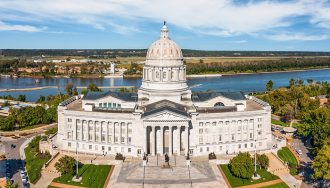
112, 68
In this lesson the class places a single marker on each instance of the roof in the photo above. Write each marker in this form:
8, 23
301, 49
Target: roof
129, 97
201, 97
165, 105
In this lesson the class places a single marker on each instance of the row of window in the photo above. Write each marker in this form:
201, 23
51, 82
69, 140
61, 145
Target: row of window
233, 122
105, 148
221, 138
222, 148
109, 105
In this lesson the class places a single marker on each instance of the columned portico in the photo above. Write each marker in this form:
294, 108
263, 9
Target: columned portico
168, 139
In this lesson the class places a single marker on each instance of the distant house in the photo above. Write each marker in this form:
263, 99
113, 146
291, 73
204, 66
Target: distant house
323, 99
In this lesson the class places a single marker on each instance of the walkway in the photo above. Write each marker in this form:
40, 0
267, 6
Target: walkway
60, 185
133, 174
278, 168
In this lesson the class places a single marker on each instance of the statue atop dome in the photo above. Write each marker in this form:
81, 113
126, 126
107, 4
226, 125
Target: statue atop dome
164, 31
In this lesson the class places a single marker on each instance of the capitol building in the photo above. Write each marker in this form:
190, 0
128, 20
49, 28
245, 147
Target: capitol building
164, 116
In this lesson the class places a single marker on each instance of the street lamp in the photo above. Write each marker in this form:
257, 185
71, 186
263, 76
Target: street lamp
255, 174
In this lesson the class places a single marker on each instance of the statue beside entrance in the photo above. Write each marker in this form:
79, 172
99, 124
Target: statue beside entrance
167, 161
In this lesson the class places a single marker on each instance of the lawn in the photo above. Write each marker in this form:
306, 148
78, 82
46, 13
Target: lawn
237, 182
286, 155
34, 161
281, 123
92, 176
278, 185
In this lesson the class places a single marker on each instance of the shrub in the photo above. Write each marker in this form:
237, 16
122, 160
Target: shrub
263, 161
119, 156
212, 156
242, 166
65, 165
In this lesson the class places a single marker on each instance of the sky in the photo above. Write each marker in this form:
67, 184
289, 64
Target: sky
262, 25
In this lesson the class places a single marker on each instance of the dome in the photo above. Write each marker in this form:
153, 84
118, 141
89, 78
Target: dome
164, 51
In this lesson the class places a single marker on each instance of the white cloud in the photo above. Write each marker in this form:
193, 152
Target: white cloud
297, 37
26, 28
209, 17
238, 41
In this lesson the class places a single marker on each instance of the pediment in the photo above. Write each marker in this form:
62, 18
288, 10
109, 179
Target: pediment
166, 115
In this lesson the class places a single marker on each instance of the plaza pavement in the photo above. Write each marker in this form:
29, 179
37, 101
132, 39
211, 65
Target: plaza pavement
154, 175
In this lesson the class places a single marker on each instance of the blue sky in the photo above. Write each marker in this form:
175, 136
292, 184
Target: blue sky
302, 25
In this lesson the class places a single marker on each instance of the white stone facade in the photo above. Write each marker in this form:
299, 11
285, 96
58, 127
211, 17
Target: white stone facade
164, 116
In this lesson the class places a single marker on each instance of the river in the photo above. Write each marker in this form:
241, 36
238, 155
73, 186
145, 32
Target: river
240, 82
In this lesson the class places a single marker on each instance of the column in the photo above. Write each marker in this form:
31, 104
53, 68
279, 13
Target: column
178, 136
107, 133
126, 134
114, 132
152, 140
161, 140
100, 131
186, 140
120, 133
146, 140
170, 136
94, 131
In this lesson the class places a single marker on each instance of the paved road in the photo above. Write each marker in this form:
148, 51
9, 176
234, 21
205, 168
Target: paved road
13, 157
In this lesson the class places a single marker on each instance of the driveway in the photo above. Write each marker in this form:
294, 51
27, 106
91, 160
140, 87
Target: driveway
13, 157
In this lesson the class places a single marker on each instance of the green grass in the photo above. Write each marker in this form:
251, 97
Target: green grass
237, 182
92, 176
287, 156
278, 185
34, 163
281, 123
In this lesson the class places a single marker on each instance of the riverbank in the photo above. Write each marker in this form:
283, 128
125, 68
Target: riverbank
27, 89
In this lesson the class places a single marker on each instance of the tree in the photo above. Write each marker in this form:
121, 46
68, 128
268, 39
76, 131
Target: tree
263, 161
242, 166
21, 98
65, 165
71, 89
291, 82
93, 87
321, 163
310, 81
269, 85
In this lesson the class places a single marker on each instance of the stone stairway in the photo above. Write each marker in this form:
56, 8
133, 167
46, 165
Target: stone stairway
175, 161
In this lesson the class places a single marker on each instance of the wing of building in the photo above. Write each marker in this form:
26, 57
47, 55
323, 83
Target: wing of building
164, 116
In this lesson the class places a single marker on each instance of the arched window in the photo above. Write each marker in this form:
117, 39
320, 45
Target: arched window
218, 104
157, 75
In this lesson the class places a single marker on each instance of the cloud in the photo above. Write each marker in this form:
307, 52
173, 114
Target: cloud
297, 37
25, 28
238, 41
209, 17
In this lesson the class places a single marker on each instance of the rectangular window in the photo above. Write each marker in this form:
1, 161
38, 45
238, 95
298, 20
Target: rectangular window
201, 140
201, 149
69, 120
110, 138
90, 146
69, 144
220, 148
232, 137
109, 104
102, 148
103, 138
207, 149
220, 139
239, 146
100, 105
129, 150
122, 139
201, 124
114, 105
251, 120
104, 105
251, 145
245, 145
116, 139
214, 123
139, 151
109, 148
251, 136
129, 140
200, 131
119, 105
